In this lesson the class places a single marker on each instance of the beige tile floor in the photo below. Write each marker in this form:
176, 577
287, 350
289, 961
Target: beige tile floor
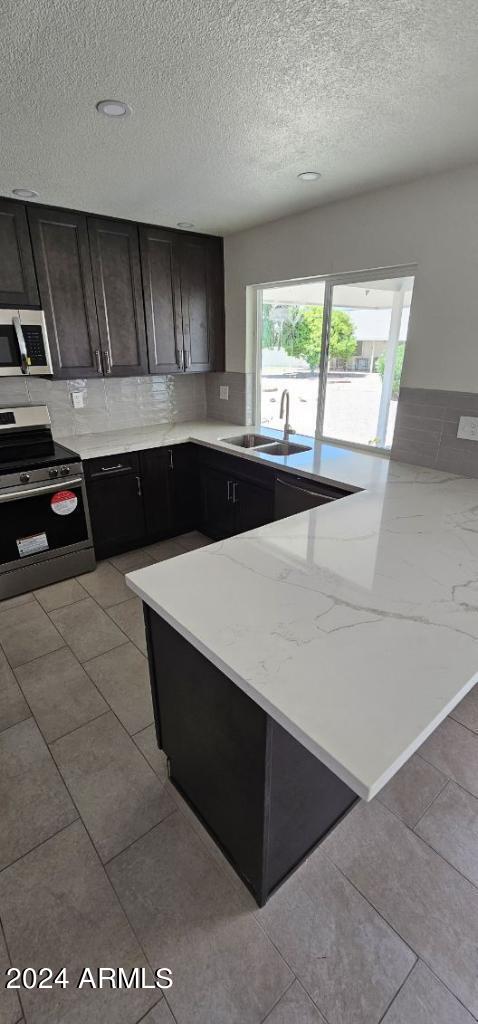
102, 864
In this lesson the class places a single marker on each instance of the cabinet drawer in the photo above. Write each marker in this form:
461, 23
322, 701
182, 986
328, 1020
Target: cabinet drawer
111, 465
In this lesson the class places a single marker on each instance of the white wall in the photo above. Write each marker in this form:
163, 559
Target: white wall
432, 222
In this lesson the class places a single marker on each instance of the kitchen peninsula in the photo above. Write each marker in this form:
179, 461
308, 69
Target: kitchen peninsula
297, 666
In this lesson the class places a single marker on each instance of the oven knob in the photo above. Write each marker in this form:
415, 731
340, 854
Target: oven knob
64, 470
24, 478
53, 473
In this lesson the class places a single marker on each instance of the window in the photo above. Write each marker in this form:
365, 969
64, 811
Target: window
337, 345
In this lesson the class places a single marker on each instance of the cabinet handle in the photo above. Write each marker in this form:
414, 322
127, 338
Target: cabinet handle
107, 359
234, 492
229, 482
109, 469
138, 481
98, 361
171, 463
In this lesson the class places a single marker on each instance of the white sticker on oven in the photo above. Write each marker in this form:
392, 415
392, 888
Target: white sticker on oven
31, 545
64, 503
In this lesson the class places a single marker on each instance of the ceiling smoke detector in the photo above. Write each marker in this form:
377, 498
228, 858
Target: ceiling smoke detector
184, 224
113, 108
309, 175
24, 193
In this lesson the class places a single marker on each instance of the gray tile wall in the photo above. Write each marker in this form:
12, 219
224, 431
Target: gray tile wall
111, 403
426, 427
239, 407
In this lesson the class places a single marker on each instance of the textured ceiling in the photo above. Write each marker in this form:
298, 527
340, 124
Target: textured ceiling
231, 99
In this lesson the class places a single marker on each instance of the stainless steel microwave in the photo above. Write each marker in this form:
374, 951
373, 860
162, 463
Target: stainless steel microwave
23, 343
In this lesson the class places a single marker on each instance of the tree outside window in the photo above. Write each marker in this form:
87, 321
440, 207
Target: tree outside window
298, 331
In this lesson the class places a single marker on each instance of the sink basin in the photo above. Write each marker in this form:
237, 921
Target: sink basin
283, 448
247, 440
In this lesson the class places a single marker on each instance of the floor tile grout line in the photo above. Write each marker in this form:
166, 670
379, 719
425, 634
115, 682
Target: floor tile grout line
397, 993
419, 956
450, 778
451, 715
276, 1004
10, 959
413, 828
372, 905
105, 873
421, 960
145, 1016
417, 835
143, 835
130, 924
88, 721
42, 843
20, 721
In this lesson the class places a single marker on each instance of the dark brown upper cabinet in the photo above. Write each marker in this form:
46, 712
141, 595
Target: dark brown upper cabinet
62, 259
162, 299
184, 301
18, 286
118, 290
200, 261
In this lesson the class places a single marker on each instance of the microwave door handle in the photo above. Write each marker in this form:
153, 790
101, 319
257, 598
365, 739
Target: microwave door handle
21, 345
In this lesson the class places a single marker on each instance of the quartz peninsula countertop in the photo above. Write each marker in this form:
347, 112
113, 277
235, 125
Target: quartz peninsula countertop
355, 624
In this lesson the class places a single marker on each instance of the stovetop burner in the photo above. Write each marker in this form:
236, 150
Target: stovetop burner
25, 456
26, 441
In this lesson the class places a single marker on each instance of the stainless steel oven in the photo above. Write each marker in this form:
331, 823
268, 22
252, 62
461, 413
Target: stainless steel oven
45, 529
24, 345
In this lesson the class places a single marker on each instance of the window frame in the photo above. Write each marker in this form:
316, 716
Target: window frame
330, 281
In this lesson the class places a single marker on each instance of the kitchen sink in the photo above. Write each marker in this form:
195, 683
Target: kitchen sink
248, 440
283, 448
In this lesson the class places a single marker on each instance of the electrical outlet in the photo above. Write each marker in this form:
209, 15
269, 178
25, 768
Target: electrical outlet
468, 428
77, 399
224, 391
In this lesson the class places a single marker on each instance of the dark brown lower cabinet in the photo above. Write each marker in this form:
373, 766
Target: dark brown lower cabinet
155, 471
143, 497
265, 799
115, 502
170, 490
236, 495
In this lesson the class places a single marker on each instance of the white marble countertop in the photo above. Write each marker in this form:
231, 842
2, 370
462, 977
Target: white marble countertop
354, 625
329, 462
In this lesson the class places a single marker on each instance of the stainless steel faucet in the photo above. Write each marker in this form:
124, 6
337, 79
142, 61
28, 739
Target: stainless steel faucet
285, 401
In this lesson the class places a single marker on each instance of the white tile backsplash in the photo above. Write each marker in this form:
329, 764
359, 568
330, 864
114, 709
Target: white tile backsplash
111, 403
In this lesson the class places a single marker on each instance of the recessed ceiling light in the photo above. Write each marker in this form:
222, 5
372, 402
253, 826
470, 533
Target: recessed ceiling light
24, 193
309, 175
113, 108
184, 224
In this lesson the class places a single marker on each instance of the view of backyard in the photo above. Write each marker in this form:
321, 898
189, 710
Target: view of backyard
366, 346
353, 404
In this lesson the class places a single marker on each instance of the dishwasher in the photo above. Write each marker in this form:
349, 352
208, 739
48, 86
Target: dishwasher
293, 494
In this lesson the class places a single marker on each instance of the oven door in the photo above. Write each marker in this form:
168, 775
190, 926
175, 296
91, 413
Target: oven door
40, 521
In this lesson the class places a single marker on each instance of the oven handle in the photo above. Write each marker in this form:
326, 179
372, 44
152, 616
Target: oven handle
28, 492
21, 345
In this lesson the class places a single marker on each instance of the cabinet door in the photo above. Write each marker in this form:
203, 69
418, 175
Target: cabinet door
162, 300
115, 503
119, 296
184, 488
202, 297
62, 258
253, 504
155, 476
18, 286
217, 509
